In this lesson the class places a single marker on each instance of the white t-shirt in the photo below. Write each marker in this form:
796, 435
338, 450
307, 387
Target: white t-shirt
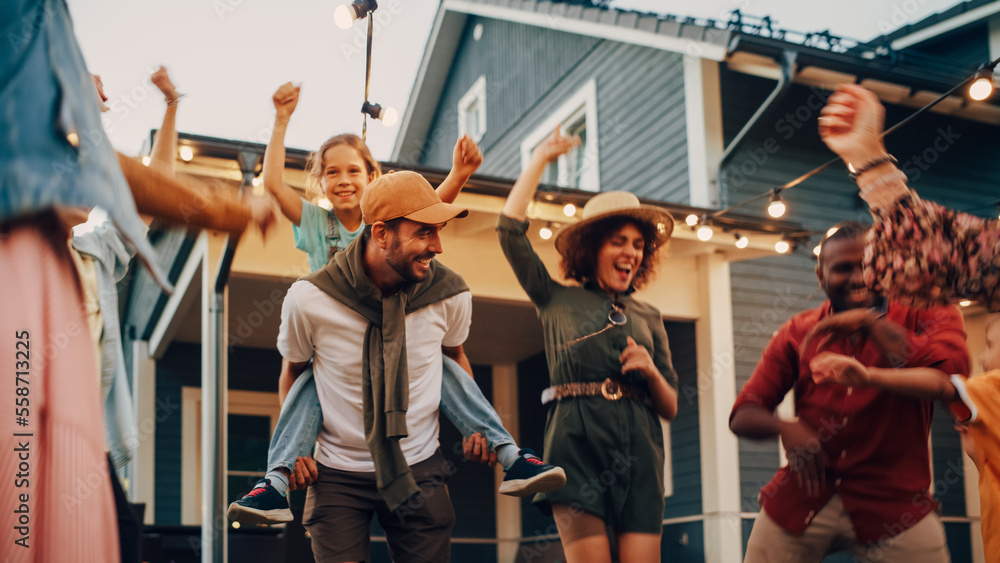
315, 325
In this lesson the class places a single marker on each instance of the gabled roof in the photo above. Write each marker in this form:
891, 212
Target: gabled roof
664, 32
747, 46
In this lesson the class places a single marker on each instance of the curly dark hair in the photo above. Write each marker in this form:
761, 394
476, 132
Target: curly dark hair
580, 259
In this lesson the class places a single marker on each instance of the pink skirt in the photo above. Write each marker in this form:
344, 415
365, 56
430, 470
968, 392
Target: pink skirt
56, 502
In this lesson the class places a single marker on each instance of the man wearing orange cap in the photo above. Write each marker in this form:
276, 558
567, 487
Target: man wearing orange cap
378, 447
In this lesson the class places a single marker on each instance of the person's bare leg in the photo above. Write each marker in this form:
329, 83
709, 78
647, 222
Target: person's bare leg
638, 548
583, 535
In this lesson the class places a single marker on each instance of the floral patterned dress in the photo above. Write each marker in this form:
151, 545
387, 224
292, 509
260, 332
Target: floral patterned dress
922, 254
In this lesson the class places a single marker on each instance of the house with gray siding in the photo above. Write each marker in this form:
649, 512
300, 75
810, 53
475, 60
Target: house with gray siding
709, 114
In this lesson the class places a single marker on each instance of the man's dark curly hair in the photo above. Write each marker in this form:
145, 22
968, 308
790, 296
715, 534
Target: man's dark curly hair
580, 259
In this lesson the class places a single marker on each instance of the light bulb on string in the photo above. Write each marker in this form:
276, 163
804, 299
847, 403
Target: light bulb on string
782, 246
186, 153
569, 210
741, 240
830, 232
705, 233
546, 231
346, 14
817, 249
982, 86
691, 220
387, 115
776, 208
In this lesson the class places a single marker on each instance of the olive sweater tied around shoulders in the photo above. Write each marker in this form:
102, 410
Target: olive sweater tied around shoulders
385, 387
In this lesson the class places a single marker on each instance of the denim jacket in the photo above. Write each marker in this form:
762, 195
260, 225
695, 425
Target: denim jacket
112, 254
53, 149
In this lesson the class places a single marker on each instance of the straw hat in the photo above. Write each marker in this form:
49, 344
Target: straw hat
616, 204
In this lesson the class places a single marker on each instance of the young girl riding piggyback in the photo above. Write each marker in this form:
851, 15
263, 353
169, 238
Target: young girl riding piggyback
343, 167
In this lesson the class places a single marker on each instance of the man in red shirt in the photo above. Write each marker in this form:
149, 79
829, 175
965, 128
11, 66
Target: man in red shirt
859, 465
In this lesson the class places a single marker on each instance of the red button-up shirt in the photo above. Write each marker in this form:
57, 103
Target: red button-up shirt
875, 440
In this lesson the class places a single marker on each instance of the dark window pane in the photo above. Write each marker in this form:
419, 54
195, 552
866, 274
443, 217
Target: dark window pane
249, 436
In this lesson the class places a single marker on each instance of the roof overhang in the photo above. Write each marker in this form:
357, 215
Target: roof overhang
945, 25
896, 84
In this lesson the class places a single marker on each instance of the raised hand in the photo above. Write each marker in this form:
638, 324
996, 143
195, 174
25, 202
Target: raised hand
851, 124
285, 98
828, 367
466, 158
162, 81
554, 146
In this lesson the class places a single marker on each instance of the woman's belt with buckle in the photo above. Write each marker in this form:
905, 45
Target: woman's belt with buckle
610, 389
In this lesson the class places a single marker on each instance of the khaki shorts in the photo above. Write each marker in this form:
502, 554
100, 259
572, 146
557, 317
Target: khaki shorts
340, 505
831, 532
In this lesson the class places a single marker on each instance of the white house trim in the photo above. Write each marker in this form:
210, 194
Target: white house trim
142, 467
994, 30
185, 294
508, 509
476, 94
703, 113
946, 25
720, 478
592, 29
256, 403
584, 100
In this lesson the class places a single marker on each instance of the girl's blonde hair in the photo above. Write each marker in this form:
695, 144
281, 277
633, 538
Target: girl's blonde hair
314, 163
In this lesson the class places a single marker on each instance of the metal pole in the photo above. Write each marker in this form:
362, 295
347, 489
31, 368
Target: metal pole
215, 400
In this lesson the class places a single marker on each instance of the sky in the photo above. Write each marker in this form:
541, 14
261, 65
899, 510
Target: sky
229, 56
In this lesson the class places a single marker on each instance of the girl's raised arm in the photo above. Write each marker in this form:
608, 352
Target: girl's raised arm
285, 99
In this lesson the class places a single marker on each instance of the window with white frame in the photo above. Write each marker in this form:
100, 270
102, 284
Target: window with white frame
578, 168
472, 111
252, 418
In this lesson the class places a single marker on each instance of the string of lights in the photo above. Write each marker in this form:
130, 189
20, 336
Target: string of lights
980, 85
344, 16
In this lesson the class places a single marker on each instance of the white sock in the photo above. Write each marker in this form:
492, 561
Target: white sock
507, 454
279, 481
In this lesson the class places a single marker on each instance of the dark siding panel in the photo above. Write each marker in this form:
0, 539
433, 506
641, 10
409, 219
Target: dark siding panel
949, 473
967, 47
683, 543
531, 71
172, 249
684, 434
532, 378
948, 160
520, 63
180, 366
473, 493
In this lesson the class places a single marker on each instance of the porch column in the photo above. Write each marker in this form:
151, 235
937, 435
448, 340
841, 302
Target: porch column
716, 394
142, 467
703, 112
508, 508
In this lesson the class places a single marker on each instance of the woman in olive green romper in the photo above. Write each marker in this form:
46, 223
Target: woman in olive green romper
609, 365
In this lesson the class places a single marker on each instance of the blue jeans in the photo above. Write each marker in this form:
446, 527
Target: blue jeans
301, 416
